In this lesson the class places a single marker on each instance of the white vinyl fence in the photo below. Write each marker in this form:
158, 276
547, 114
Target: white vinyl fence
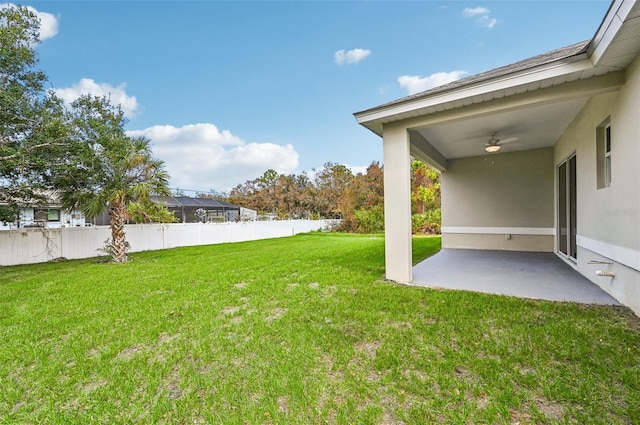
36, 245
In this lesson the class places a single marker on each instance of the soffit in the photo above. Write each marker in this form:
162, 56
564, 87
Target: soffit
534, 127
536, 118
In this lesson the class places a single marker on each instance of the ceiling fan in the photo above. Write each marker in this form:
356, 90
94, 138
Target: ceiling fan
495, 143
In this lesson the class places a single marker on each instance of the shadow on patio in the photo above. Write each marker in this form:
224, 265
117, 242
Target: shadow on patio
535, 275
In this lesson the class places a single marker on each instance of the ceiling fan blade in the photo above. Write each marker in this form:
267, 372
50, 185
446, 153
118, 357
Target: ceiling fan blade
507, 140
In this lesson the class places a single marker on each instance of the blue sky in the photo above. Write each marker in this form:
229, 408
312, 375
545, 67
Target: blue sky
227, 90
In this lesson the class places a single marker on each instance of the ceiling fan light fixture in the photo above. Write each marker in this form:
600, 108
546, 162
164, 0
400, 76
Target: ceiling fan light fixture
492, 148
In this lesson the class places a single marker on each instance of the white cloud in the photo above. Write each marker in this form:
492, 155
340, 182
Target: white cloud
48, 22
475, 11
355, 169
201, 157
414, 84
352, 56
48, 25
117, 95
487, 22
482, 16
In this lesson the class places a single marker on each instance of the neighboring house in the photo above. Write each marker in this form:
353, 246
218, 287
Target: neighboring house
204, 210
569, 180
247, 214
188, 210
50, 216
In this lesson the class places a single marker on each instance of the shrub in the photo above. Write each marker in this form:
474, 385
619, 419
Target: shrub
427, 223
369, 221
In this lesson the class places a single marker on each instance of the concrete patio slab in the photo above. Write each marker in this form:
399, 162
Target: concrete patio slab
538, 275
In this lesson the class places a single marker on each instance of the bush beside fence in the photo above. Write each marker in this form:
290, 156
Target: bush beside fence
37, 245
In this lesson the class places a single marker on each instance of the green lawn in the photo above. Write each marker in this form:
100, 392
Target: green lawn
299, 330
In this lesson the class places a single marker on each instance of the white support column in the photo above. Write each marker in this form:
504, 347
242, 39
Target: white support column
397, 204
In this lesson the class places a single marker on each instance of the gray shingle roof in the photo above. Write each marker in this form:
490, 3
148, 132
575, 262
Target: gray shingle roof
557, 55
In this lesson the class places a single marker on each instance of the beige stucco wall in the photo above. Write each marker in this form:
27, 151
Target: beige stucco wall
606, 214
499, 201
397, 204
608, 220
498, 241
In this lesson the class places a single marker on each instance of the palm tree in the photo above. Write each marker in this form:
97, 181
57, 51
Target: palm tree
133, 178
105, 168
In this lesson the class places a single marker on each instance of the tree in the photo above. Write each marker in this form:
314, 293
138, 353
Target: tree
213, 194
305, 200
33, 122
106, 168
266, 189
330, 184
82, 153
263, 194
361, 204
425, 187
425, 198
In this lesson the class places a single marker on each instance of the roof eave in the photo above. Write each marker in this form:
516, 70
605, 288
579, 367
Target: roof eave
614, 19
374, 118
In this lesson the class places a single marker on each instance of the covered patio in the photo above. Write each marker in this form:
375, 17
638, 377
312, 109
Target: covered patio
539, 172
496, 139
536, 275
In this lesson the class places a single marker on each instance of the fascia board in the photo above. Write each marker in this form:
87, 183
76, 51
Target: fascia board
481, 88
610, 26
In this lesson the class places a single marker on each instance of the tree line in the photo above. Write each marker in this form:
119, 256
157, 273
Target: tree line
334, 191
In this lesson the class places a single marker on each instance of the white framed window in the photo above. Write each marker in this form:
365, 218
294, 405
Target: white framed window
607, 156
603, 154
47, 215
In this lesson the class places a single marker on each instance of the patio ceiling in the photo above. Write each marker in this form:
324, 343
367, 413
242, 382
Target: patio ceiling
534, 127
536, 116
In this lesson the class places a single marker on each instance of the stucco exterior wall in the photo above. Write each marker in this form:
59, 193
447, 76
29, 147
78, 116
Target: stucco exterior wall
397, 204
608, 219
499, 201
498, 241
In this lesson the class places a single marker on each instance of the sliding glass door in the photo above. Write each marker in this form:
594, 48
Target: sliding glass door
567, 208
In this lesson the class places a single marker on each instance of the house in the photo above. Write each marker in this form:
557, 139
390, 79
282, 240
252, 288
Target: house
188, 210
247, 214
205, 210
51, 216
540, 155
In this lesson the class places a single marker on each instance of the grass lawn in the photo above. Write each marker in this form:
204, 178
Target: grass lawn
299, 330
